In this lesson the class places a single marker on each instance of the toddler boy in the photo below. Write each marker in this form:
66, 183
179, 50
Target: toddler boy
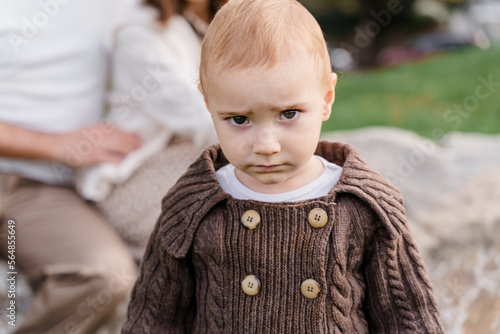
274, 231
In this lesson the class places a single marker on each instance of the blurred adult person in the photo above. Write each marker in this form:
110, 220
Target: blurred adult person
155, 93
53, 79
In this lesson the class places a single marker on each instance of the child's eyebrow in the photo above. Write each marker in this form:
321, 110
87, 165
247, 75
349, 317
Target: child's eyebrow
233, 113
290, 106
275, 108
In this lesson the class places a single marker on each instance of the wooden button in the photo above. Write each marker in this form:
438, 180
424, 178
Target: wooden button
317, 218
310, 289
250, 219
251, 285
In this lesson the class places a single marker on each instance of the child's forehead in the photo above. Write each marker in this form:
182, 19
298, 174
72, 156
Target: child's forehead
281, 73
286, 63
279, 84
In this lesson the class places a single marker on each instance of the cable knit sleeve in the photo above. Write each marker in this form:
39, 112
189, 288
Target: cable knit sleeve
163, 299
399, 297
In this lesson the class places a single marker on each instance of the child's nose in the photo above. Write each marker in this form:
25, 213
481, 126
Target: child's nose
266, 142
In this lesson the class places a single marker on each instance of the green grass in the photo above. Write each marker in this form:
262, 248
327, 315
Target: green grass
418, 96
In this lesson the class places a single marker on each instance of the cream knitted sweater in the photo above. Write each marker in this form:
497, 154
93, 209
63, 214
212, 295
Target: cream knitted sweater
370, 278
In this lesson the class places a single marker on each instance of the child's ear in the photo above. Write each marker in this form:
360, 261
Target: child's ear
200, 88
329, 98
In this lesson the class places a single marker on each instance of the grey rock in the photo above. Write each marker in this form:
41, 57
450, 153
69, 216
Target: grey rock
423, 170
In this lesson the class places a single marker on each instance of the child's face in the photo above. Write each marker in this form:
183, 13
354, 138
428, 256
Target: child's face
268, 122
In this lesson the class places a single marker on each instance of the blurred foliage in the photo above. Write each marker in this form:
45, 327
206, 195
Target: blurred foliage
334, 14
422, 96
329, 6
341, 20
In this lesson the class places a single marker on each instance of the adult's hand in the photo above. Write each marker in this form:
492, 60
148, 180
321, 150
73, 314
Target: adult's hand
95, 144
84, 147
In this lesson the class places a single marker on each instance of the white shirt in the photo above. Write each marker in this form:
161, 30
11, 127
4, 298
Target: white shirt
155, 94
321, 186
155, 77
53, 70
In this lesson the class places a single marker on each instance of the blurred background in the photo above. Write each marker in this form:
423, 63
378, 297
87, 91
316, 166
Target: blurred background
419, 95
404, 63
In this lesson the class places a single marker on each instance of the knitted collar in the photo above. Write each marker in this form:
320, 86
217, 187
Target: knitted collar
198, 191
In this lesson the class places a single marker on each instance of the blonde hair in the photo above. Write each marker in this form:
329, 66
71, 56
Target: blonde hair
250, 33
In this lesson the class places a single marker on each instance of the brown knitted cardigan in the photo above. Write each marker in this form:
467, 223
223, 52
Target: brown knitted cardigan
370, 273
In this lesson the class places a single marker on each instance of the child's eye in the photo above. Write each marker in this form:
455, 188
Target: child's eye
238, 120
289, 114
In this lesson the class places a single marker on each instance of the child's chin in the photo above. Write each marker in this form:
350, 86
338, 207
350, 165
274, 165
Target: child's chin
265, 183
270, 180
270, 185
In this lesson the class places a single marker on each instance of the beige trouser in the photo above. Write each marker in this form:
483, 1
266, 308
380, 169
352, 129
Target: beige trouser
78, 266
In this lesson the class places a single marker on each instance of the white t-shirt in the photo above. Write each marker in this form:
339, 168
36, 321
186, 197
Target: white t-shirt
321, 186
53, 70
